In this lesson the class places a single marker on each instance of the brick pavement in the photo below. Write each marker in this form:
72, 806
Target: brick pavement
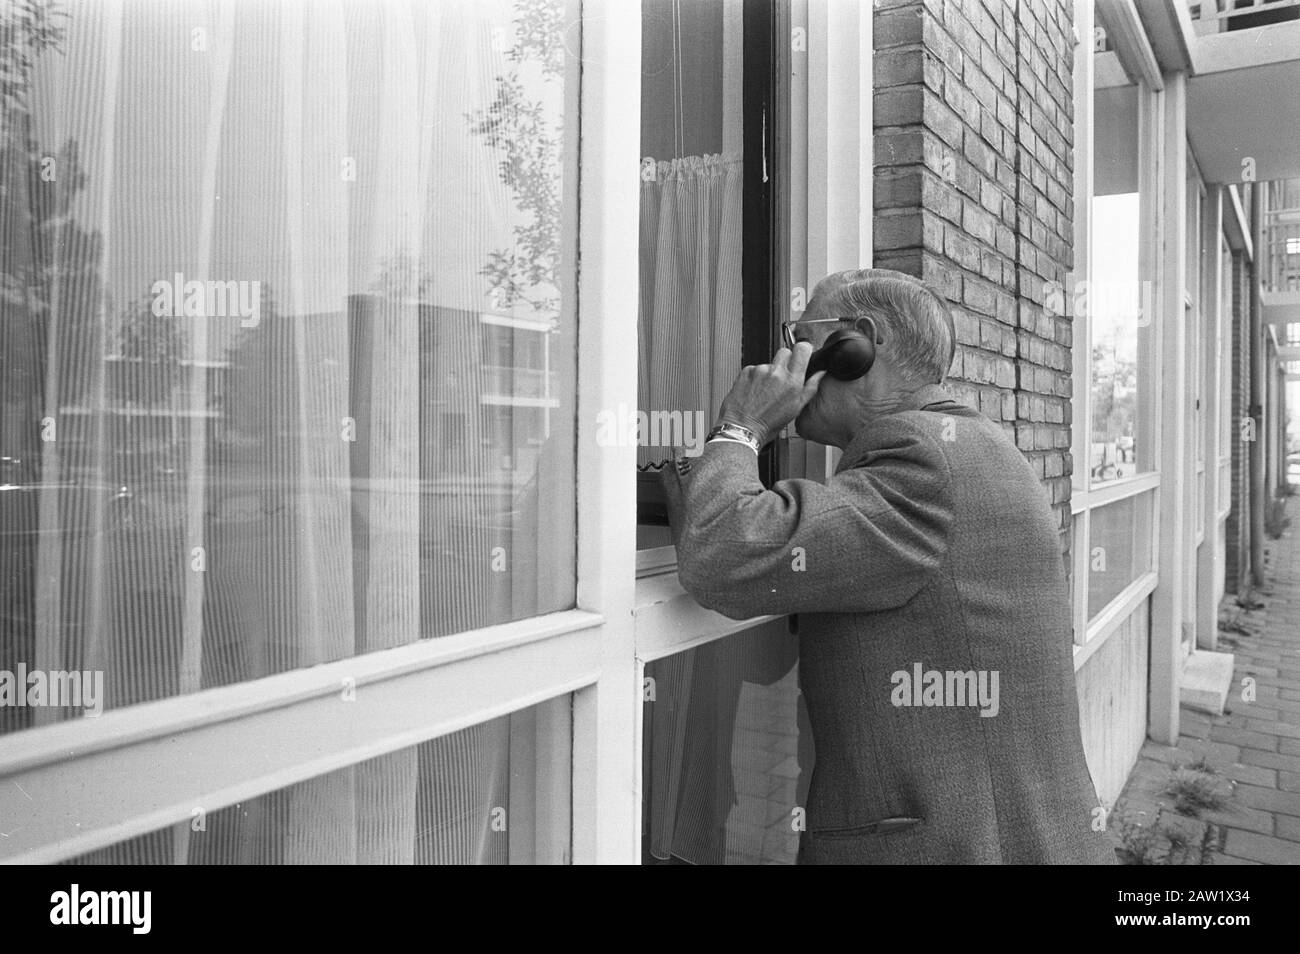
1250, 754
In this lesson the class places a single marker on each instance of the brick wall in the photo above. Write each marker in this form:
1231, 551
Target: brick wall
974, 193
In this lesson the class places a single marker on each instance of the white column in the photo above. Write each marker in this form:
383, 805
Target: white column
1208, 568
1176, 529
607, 716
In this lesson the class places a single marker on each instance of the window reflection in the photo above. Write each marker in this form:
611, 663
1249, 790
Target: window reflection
727, 753
1117, 299
287, 331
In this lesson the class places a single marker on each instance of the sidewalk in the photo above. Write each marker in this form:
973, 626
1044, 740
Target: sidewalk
1229, 793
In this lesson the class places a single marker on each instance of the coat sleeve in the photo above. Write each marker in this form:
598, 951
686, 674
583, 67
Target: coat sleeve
868, 539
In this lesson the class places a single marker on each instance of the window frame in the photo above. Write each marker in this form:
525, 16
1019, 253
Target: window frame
762, 120
1133, 55
1225, 301
826, 211
427, 689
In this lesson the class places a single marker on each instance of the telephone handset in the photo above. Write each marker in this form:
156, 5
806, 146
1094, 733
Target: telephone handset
846, 355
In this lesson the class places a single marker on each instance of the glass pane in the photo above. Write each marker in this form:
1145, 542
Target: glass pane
727, 753
1197, 316
1076, 540
1119, 550
1227, 336
1117, 301
1200, 502
1114, 394
494, 793
287, 332
689, 320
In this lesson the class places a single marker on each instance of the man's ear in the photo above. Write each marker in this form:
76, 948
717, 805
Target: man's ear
867, 326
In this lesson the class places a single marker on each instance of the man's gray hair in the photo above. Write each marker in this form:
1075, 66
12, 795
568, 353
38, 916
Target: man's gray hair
914, 318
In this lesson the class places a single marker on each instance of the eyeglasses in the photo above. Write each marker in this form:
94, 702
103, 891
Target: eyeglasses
787, 328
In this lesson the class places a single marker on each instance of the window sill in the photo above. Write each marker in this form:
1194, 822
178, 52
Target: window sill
656, 560
1109, 618
668, 620
1113, 490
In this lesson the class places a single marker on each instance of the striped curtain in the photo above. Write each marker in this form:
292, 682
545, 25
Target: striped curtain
219, 499
690, 283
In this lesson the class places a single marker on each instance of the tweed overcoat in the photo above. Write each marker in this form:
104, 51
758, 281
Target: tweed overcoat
934, 637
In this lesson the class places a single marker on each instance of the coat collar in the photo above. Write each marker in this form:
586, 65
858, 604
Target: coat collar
929, 398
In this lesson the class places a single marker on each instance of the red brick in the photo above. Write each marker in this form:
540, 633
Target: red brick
993, 222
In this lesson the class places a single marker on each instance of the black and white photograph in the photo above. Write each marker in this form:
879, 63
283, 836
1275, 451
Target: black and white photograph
650, 432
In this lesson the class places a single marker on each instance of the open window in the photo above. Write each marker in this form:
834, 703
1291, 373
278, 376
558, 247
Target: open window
707, 244
725, 745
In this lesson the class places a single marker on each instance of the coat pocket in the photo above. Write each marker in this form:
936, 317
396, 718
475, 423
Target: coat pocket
882, 826
887, 841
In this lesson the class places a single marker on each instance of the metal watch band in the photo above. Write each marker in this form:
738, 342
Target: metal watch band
736, 434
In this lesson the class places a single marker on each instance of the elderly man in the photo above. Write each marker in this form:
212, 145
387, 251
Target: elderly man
927, 576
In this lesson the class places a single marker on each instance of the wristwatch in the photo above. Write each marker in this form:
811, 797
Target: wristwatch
735, 434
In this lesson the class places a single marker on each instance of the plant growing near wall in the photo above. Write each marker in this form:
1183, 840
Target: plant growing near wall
1194, 789
1172, 841
1139, 844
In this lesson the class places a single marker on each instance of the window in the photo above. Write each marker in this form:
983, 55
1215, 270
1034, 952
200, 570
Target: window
289, 336
1113, 309
250, 433
1119, 549
726, 752
1227, 367
495, 793
1118, 297
706, 182
1116, 371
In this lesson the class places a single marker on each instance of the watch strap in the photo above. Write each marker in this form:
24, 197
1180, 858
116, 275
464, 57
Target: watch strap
736, 434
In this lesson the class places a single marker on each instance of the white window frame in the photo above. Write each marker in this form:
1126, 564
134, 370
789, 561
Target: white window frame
1201, 301
1134, 56
1225, 297
76, 786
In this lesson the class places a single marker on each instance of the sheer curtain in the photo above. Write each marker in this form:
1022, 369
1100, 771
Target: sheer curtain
211, 494
690, 315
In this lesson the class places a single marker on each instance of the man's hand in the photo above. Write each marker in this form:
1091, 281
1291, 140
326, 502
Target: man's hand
767, 397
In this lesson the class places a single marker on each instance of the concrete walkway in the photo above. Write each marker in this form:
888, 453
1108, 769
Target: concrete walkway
1249, 757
